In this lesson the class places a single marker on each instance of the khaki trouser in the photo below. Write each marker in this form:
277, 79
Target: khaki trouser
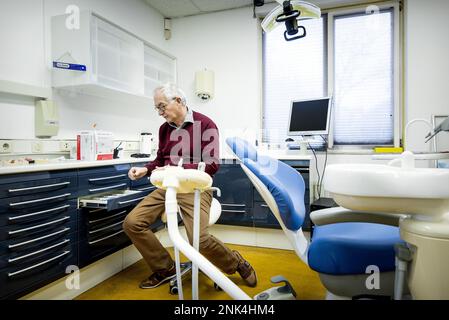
137, 227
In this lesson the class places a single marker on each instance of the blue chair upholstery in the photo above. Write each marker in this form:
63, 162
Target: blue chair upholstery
286, 181
349, 247
242, 149
336, 249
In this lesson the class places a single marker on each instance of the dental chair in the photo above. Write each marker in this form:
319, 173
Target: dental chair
347, 247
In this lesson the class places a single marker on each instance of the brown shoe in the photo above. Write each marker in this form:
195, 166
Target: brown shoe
246, 271
158, 278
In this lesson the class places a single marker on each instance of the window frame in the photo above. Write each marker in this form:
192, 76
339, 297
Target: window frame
398, 91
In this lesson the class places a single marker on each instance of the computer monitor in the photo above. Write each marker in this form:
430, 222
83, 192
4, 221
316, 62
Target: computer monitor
310, 117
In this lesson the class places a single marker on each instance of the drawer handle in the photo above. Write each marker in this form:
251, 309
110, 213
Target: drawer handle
39, 200
39, 251
233, 205
37, 213
39, 187
133, 200
10, 274
264, 205
38, 226
145, 189
107, 178
106, 218
107, 237
106, 188
11, 246
236, 211
107, 227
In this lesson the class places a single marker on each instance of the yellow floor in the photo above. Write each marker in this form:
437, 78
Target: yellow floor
266, 262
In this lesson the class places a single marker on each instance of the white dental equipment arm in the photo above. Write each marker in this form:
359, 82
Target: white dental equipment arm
179, 180
444, 126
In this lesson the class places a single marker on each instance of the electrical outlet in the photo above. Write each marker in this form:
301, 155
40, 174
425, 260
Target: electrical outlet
5, 146
37, 146
131, 146
65, 146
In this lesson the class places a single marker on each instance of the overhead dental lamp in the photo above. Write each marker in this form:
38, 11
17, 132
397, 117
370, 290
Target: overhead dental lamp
290, 12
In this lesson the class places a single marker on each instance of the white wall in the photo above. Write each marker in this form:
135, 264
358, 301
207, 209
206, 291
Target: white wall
427, 65
25, 57
228, 43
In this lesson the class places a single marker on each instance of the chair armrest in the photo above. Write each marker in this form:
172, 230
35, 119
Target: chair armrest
340, 214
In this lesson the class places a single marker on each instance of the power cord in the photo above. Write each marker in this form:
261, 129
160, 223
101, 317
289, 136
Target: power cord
325, 164
320, 177
316, 167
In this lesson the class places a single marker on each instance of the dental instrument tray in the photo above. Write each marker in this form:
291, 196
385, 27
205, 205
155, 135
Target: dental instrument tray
112, 200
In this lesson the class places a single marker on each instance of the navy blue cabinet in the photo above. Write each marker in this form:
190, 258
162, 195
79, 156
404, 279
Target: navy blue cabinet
236, 195
38, 229
241, 202
102, 179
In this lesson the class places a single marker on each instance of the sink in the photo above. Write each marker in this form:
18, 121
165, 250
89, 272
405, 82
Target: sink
423, 192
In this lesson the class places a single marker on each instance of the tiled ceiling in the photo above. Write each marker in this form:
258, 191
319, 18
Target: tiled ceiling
184, 8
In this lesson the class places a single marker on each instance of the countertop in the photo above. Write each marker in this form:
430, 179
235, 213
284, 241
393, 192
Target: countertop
68, 164
77, 164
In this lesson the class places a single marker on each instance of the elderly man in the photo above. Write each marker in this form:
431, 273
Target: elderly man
193, 137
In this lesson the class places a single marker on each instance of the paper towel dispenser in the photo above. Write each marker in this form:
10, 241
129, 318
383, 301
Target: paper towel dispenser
46, 119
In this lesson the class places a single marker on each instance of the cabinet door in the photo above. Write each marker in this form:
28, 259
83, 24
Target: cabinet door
117, 57
159, 69
236, 195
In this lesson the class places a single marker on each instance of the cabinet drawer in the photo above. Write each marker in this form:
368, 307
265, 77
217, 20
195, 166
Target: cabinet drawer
263, 217
98, 245
17, 278
235, 186
35, 214
25, 258
235, 214
34, 202
23, 232
92, 181
35, 242
94, 220
113, 200
38, 185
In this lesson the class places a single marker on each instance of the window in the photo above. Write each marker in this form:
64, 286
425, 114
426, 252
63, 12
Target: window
293, 70
361, 76
363, 79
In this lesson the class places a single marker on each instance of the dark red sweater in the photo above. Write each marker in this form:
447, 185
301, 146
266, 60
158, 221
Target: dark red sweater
193, 142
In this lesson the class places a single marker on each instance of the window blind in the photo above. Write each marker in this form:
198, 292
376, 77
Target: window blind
292, 70
363, 79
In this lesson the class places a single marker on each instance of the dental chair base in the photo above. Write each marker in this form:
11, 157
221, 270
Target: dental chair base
285, 292
428, 271
356, 286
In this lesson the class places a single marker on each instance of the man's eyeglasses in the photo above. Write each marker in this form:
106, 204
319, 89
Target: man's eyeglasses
162, 106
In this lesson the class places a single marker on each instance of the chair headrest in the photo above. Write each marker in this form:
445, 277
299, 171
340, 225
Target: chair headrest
242, 149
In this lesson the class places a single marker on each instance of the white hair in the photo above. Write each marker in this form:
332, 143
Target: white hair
171, 91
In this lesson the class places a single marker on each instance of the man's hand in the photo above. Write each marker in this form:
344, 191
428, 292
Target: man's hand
137, 172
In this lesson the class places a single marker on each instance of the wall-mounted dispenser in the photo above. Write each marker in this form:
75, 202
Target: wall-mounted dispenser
204, 84
46, 119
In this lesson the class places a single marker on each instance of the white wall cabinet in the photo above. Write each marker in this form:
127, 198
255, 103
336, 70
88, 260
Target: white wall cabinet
159, 69
118, 64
